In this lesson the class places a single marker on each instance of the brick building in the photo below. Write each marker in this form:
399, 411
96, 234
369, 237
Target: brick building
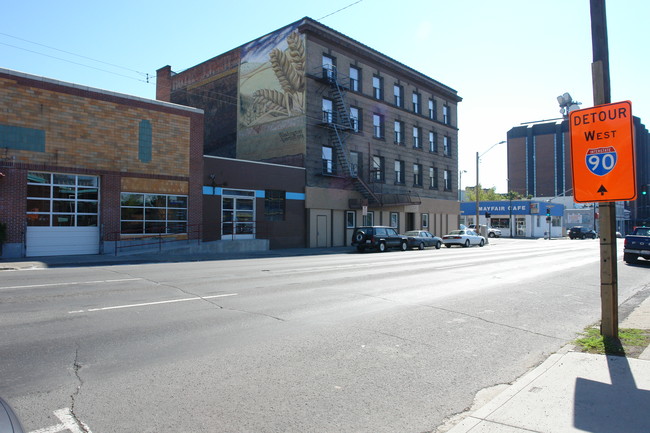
377, 140
82, 168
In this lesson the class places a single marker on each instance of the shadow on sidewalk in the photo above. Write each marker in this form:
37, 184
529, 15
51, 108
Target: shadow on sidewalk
617, 407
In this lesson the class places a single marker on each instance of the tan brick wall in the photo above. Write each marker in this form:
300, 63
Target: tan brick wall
93, 133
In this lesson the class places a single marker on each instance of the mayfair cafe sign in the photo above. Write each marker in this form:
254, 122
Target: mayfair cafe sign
519, 207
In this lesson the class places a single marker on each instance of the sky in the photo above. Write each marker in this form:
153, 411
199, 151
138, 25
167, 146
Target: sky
508, 59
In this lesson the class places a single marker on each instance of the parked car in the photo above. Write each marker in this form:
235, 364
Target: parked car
491, 231
463, 238
379, 238
9, 422
421, 239
579, 232
637, 245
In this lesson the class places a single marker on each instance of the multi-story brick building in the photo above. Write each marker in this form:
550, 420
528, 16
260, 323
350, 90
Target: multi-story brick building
82, 168
378, 141
539, 165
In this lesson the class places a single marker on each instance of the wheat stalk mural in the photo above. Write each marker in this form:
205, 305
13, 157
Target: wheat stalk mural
289, 69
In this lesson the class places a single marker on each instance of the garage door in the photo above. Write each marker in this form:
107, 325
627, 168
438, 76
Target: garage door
62, 214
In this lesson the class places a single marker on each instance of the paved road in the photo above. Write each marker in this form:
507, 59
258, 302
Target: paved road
392, 342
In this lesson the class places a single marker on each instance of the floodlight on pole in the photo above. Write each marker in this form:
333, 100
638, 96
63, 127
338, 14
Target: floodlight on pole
476, 192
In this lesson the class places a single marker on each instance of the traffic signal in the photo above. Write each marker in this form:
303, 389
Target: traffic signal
487, 215
644, 189
548, 211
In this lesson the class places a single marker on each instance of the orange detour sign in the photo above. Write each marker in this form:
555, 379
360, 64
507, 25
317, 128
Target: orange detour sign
602, 153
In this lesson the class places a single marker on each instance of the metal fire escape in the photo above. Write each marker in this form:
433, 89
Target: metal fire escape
339, 124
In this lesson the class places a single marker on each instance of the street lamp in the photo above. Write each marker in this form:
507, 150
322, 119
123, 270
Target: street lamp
478, 157
460, 184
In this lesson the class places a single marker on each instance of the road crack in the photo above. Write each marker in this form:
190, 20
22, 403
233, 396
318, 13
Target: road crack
76, 367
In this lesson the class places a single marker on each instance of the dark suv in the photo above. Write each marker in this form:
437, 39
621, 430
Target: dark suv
379, 238
581, 233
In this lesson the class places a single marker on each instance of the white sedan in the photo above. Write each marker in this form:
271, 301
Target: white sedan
464, 238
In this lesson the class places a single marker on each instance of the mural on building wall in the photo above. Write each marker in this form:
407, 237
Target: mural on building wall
272, 96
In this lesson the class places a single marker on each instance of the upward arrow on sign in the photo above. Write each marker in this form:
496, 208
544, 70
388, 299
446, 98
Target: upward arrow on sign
602, 190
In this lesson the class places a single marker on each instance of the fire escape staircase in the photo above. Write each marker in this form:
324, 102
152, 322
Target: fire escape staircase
339, 124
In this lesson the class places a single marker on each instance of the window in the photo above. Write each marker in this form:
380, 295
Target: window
355, 164
425, 220
377, 87
432, 109
274, 205
399, 136
369, 219
355, 79
399, 172
329, 67
355, 119
328, 163
433, 178
398, 91
417, 174
328, 112
394, 220
153, 213
378, 168
433, 142
500, 223
417, 132
350, 219
447, 178
416, 102
62, 200
446, 145
378, 125
446, 115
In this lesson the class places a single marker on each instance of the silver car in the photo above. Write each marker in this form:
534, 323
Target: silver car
463, 238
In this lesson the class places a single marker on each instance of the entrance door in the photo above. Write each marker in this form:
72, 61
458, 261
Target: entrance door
321, 231
238, 214
410, 221
520, 223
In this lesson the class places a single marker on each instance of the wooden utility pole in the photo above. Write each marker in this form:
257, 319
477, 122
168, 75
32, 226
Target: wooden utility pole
602, 95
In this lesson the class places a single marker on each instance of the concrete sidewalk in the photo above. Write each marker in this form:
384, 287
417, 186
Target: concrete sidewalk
574, 392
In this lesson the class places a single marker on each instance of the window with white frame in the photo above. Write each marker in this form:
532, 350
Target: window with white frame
417, 174
378, 125
425, 220
369, 219
398, 130
328, 162
399, 171
350, 219
329, 68
433, 178
446, 145
377, 87
446, 115
355, 119
417, 132
378, 168
394, 220
355, 79
398, 92
143, 214
447, 179
55, 200
328, 110
432, 109
433, 142
416, 103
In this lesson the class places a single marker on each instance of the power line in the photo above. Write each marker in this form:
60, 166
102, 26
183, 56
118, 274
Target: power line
343, 8
71, 53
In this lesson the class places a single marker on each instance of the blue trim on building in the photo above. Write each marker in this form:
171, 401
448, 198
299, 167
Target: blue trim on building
259, 193
145, 141
295, 196
19, 138
519, 207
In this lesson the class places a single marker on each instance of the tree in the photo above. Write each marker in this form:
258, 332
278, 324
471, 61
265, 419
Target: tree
488, 194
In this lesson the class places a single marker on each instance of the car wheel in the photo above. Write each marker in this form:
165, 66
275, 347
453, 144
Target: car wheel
404, 246
466, 243
491, 235
481, 243
629, 258
361, 249
381, 247
438, 245
421, 246
360, 236
448, 245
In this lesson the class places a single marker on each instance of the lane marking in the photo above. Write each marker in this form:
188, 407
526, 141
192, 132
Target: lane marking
148, 304
73, 283
68, 423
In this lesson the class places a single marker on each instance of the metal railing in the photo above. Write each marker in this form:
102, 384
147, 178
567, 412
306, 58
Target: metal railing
172, 235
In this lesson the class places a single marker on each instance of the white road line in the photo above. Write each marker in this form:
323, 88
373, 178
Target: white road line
73, 283
68, 423
147, 304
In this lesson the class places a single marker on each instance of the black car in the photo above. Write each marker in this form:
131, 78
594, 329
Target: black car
579, 232
379, 238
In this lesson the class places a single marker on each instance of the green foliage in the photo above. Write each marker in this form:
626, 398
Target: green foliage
629, 341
